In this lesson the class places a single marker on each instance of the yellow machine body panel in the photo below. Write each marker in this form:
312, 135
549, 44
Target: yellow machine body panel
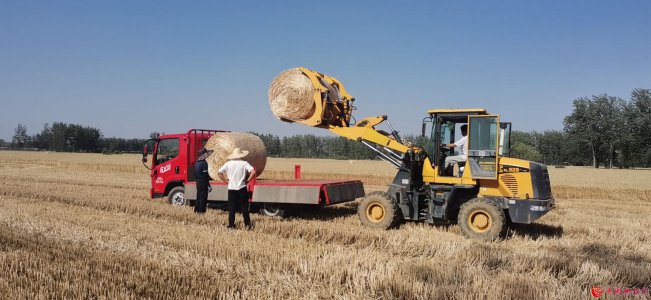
514, 180
430, 175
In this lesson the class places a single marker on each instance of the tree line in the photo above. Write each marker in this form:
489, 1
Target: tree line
601, 131
312, 146
63, 137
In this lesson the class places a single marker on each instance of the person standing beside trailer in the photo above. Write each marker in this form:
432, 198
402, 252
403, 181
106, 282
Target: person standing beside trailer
237, 172
203, 181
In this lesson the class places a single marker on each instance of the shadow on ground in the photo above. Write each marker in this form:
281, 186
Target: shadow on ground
326, 213
534, 231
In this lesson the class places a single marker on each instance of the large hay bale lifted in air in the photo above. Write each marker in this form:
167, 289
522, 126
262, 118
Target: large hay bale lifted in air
310, 98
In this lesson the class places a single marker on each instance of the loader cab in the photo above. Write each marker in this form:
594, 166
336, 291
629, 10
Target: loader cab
486, 140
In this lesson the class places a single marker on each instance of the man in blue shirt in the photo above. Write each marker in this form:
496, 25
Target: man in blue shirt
203, 181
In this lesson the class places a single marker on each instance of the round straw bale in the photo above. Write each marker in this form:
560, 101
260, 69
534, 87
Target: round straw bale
223, 144
291, 96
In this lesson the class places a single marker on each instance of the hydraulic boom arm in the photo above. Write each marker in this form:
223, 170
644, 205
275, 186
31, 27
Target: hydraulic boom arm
334, 112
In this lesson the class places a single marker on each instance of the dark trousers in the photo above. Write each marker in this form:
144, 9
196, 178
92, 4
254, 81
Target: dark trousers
238, 199
202, 196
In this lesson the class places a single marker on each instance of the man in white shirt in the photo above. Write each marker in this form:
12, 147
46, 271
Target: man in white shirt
462, 144
237, 172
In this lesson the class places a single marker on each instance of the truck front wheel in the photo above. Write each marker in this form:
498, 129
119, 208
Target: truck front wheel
379, 210
479, 219
177, 196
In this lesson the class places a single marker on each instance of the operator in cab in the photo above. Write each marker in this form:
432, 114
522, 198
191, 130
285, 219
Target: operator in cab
203, 181
462, 144
237, 172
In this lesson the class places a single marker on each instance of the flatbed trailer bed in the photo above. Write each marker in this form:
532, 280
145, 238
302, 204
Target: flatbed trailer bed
288, 192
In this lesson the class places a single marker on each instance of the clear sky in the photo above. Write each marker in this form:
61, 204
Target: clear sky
133, 67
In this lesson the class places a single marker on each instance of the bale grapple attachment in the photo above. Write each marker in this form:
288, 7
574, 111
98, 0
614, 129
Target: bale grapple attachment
333, 105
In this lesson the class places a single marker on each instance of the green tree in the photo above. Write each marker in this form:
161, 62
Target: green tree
551, 145
597, 122
524, 145
42, 140
640, 121
20, 138
58, 137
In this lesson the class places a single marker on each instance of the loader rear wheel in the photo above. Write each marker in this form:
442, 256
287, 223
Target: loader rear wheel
379, 210
177, 196
479, 219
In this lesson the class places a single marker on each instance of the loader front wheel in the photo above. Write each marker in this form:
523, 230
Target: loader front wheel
379, 210
479, 219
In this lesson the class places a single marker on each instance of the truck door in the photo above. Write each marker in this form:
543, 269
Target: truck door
166, 164
483, 146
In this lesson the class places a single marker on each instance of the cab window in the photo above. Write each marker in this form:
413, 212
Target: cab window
482, 146
167, 149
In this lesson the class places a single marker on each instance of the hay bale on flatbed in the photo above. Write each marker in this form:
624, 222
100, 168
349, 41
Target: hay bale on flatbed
291, 96
223, 144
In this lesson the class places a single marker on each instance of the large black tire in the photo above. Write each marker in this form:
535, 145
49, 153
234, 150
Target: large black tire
480, 219
177, 196
273, 210
379, 210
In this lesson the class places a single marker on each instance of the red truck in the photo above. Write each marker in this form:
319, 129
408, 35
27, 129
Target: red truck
172, 176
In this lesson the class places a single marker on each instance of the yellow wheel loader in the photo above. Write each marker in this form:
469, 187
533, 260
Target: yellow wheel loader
480, 192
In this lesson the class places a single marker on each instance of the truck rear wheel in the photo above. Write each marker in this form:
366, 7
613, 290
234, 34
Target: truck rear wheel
379, 210
177, 196
479, 219
273, 210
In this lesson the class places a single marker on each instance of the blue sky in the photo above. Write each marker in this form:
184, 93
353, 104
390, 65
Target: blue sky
133, 67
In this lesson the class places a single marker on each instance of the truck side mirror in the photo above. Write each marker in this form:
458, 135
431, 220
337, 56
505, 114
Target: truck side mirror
422, 130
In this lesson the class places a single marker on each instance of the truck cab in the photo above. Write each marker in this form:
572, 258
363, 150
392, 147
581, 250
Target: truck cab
172, 163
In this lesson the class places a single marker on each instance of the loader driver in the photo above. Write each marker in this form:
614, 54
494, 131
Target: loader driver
236, 171
456, 160
203, 181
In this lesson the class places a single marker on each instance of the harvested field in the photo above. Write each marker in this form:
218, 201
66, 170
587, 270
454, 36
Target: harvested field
82, 226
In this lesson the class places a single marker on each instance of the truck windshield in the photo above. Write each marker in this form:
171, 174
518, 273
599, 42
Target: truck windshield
167, 149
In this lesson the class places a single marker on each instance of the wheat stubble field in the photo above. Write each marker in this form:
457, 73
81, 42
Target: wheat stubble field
82, 226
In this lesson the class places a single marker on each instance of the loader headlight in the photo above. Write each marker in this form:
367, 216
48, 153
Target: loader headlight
538, 208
